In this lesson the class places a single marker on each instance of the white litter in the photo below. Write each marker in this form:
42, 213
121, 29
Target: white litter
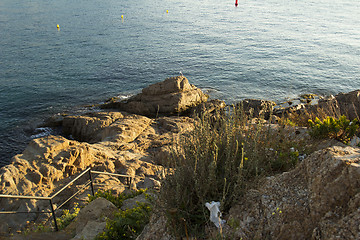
215, 213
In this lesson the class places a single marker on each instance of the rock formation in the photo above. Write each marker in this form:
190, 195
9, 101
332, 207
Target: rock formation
319, 199
108, 140
172, 96
256, 108
91, 220
347, 104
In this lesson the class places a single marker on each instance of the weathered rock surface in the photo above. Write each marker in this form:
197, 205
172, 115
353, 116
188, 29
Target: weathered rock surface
347, 104
91, 220
257, 107
318, 200
105, 126
172, 96
209, 107
42, 167
123, 143
156, 229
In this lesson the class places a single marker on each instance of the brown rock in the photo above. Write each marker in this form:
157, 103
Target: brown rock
173, 95
105, 126
257, 107
156, 229
86, 127
209, 107
34, 176
347, 104
91, 220
318, 198
118, 142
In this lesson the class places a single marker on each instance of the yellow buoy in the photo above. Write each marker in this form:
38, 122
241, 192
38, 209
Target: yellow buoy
167, 11
58, 27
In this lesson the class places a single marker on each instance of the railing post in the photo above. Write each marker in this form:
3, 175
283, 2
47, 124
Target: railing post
129, 181
91, 183
53, 213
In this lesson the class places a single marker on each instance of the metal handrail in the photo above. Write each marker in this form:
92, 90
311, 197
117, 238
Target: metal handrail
71, 182
89, 182
25, 197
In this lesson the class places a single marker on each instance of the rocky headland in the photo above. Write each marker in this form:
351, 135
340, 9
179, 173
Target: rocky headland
319, 199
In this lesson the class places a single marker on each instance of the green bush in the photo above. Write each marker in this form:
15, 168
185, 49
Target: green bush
67, 217
127, 224
340, 129
219, 161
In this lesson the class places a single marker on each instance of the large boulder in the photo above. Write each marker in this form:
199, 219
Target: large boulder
320, 199
256, 107
173, 95
347, 104
91, 220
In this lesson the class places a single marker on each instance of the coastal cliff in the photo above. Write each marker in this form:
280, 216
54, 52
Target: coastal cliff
319, 199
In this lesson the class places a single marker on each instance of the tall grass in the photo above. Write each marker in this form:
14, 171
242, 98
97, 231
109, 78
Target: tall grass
223, 157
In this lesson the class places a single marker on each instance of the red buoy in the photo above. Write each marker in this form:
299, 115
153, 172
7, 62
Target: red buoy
236, 3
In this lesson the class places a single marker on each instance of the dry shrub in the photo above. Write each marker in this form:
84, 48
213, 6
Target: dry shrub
222, 158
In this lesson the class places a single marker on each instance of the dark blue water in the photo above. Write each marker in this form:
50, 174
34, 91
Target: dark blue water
275, 49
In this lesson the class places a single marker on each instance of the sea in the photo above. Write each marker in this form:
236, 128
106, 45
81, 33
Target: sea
61, 56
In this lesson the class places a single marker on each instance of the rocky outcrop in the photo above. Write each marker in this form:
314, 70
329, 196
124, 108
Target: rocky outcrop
172, 96
256, 107
347, 104
42, 167
91, 220
105, 126
108, 141
319, 199
210, 107
156, 229
122, 143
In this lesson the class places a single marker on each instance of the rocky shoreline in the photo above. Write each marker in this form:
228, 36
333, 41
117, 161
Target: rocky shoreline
321, 197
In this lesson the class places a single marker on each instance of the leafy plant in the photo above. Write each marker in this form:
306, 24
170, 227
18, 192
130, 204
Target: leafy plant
67, 217
340, 129
127, 224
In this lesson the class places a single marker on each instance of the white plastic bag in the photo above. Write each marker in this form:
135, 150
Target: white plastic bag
215, 213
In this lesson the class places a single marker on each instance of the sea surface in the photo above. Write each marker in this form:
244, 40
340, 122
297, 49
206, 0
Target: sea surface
273, 49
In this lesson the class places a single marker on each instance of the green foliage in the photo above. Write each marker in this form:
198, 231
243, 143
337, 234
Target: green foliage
67, 217
116, 200
287, 122
218, 161
127, 224
340, 129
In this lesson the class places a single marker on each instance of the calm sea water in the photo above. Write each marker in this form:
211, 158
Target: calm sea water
274, 49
